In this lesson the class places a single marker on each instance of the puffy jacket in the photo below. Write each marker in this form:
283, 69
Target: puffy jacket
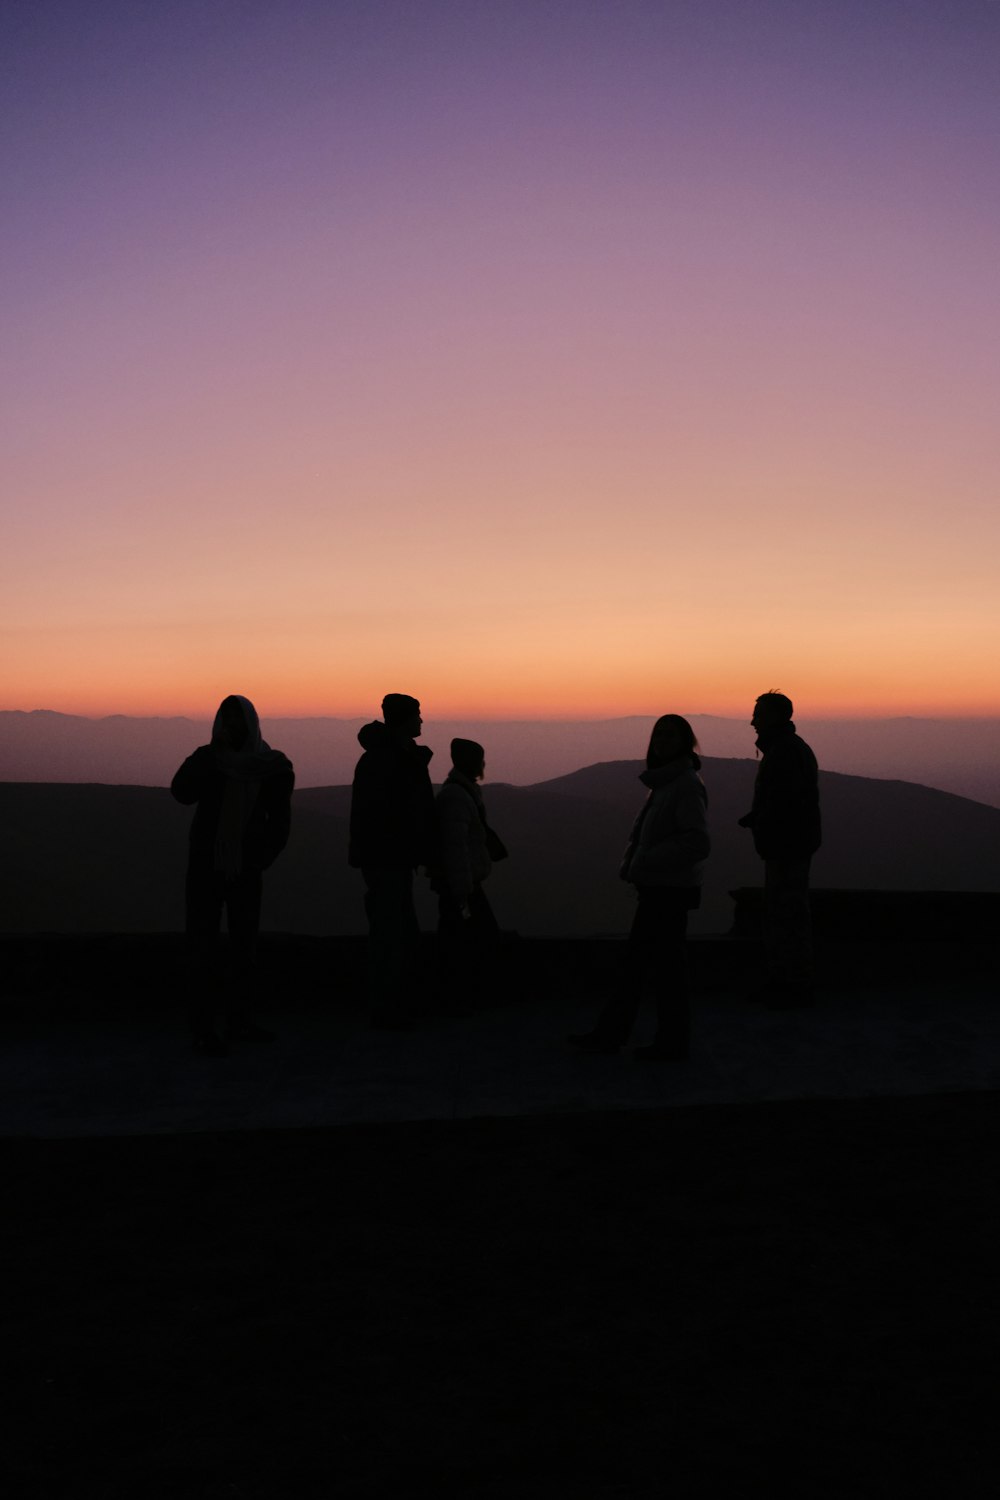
462, 859
669, 842
392, 802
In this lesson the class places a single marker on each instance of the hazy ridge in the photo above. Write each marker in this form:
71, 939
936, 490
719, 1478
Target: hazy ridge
954, 755
111, 858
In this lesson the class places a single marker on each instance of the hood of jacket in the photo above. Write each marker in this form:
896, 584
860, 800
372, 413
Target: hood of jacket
378, 739
255, 759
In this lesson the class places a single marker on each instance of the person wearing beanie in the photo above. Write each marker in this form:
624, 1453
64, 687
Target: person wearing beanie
466, 849
786, 828
241, 790
391, 834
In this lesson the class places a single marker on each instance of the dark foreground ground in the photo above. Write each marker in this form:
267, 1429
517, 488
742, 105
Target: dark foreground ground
796, 1297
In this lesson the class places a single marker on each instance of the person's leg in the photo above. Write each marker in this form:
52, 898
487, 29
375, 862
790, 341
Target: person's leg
243, 897
393, 934
616, 1020
453, 949
485, 981
470, 939
669, 977
484, 923
788, 928
203, 896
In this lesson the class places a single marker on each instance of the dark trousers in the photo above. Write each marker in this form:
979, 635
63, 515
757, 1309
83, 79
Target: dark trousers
218, 988
787, 922
393, 937
467, 946
656, 960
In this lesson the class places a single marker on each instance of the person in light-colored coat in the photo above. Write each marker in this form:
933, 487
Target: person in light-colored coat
669, 841
467, 928
664, 860
463, 861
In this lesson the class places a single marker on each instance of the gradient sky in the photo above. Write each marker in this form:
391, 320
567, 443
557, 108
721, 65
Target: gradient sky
536, 358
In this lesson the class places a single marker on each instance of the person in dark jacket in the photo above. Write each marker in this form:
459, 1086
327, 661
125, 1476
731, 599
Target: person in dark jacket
664, 860
785, 823
242, 793
466, 847
391, 835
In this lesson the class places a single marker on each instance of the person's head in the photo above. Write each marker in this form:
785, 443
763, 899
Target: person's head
672, 736
771, 710
402, 715
235, 723
468, 758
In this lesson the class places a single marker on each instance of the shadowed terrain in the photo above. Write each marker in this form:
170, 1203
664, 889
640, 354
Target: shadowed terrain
783, 1297
500, 1269
90, 858
955, 755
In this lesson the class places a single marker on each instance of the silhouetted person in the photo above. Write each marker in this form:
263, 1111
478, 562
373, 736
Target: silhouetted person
785, 824
465, 849
392, 832
243, 794
664, 860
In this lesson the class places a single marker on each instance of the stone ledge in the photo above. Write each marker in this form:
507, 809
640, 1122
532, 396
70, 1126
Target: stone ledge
883, 916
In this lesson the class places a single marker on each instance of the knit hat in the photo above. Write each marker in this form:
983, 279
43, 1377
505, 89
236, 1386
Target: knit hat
398, 707
467, 756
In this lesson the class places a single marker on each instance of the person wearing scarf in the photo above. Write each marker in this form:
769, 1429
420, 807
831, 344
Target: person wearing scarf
241, 790
664, 860
466, 848
785, 823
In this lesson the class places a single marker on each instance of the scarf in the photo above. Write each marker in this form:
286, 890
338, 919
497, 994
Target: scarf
244, 770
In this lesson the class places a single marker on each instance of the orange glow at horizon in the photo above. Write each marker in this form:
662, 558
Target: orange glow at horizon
554, 683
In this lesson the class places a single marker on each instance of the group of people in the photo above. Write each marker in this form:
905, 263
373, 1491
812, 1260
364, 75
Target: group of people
397, 827
242, 791
665, 859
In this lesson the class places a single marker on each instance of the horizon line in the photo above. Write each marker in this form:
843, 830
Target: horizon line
823, 716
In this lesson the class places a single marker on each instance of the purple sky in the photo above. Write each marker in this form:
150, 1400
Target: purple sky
571, 358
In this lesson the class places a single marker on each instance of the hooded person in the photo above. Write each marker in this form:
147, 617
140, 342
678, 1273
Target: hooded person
241, 790
466, 847
391, 835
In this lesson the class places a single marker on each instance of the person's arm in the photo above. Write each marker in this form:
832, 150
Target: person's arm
279, 817
677, 838
195, 776
369, 821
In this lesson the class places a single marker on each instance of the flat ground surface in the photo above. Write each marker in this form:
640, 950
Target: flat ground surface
481, 1267
130, 1070
740, 1300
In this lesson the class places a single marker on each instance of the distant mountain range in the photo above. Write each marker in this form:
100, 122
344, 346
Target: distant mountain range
955, 755
85, 858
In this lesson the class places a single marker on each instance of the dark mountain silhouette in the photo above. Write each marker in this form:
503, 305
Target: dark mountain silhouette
84, 858
956, 755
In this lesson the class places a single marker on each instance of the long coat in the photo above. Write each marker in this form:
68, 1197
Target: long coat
392, 802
